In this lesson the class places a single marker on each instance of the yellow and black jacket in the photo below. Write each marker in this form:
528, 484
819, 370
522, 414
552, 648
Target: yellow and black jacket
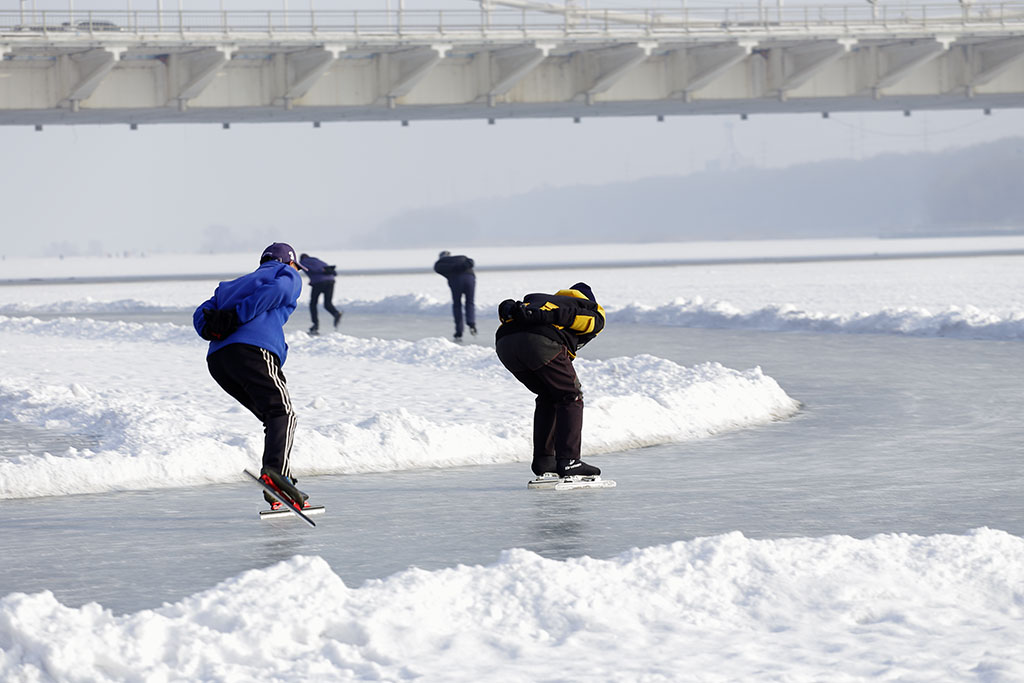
568, 317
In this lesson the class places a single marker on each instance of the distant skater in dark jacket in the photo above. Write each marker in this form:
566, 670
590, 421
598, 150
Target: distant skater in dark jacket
537, 342
244, 323
321, 281
458, 270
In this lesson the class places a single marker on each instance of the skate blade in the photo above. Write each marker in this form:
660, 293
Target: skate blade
282, 511
554, 483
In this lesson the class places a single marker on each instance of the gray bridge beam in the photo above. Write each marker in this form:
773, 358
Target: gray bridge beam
138, 67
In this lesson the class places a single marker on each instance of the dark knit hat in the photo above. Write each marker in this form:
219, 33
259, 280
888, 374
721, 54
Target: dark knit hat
279, 251
584, 289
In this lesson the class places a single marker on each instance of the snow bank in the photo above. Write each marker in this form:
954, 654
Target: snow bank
85, 306
142, 393
966, 297
393, 304
967, 322
964, 322
724, 608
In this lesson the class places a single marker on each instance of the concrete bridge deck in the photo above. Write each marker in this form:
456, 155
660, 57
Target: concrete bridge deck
516, 60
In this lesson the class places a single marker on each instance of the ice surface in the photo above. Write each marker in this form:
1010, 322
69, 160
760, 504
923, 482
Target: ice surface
135, 409
594, 255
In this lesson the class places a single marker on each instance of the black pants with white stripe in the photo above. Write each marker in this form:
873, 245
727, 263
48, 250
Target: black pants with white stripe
254, 378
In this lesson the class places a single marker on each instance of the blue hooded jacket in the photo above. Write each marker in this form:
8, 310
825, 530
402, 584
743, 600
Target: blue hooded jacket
264, 300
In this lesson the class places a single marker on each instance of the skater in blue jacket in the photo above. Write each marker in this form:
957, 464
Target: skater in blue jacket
244, 323
321, 281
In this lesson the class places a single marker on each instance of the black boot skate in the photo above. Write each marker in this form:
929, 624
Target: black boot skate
543, 464
576, 468
284, 486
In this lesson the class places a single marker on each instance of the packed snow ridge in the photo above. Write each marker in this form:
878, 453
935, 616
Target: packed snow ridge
889, 607
364, 405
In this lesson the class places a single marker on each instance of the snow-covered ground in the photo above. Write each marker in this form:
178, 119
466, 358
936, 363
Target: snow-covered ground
967, 297
363, 404
890, 607
721, 608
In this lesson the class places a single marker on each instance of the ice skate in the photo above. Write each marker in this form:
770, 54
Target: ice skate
576, 468
285, 486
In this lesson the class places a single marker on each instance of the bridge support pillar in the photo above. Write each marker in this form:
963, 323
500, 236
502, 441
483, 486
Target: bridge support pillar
986, 62
895, 62
189, 73
298, 72
82, 73
400, 72
794, 66
613, 64
703, 64
511, 65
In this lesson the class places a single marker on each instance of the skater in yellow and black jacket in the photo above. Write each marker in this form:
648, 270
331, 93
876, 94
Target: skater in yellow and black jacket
537, 342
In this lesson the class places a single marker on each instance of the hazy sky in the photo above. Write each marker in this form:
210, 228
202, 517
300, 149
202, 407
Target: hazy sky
163, 187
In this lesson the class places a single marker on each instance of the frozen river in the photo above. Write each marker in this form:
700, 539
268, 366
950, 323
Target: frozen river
916, 435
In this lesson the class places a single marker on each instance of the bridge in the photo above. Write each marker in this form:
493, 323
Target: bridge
504, 59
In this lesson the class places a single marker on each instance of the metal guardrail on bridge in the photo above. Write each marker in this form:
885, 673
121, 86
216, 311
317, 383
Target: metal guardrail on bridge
523, 21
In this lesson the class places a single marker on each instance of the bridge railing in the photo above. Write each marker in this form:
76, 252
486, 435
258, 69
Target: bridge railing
765, 17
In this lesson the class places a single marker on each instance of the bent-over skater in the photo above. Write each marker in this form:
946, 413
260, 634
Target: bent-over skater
458, 270
537, 341
321, 282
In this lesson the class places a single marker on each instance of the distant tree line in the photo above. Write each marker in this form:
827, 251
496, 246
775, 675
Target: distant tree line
974, 190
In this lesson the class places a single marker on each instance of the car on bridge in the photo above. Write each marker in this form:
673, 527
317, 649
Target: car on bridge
37, 28
91, 26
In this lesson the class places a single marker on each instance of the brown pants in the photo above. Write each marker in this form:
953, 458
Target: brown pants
545, 368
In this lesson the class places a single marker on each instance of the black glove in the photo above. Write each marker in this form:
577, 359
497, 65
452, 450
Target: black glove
524, 314
505, 309
531, 316
517, 311
220, 323
330, 270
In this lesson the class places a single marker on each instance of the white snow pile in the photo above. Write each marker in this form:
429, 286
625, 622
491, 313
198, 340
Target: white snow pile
392, 304
724, 608
84, 306
143, 394
968, 322
964, 322
964, 297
